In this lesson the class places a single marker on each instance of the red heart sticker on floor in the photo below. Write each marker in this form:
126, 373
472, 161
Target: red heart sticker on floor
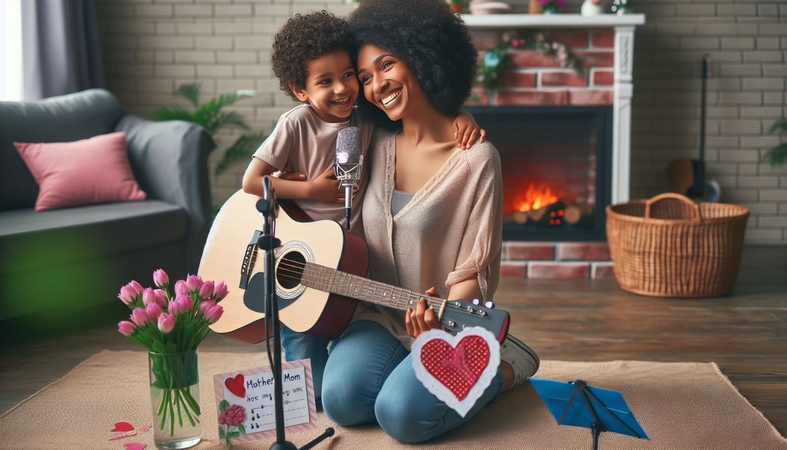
122, 426
235, 385
456, 368
135, 446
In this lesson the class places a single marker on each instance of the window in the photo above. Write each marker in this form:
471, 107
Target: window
11, 87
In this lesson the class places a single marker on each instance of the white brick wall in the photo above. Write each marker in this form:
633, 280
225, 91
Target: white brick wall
152, 46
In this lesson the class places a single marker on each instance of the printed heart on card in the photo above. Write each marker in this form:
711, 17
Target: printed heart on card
235, 385
456, 368
122, 426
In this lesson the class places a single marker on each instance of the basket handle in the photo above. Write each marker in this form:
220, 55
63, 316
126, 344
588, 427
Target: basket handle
683, 198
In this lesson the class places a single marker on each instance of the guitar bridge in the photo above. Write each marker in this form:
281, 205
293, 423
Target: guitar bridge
248, 260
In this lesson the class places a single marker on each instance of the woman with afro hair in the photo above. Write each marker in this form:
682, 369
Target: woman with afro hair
432, 219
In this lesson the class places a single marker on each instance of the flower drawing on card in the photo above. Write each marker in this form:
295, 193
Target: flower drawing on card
231, 419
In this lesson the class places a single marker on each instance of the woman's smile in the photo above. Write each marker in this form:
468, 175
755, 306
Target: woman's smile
390, 99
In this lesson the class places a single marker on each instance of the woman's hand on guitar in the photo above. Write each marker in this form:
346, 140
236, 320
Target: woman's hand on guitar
422, 318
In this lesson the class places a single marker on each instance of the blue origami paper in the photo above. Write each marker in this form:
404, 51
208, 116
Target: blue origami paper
565, 401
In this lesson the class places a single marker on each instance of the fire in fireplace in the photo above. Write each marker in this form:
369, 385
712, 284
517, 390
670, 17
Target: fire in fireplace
556, 169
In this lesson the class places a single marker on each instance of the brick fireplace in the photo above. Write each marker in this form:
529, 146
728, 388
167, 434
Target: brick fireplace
564, 140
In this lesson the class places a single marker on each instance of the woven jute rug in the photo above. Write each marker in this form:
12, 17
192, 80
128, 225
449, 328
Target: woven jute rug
680, 406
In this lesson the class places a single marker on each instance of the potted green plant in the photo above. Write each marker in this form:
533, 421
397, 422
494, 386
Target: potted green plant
551, 6
212, 116
778, 154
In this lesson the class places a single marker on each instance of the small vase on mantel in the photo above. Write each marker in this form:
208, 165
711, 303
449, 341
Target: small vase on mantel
491, 97
592, 7
533, 7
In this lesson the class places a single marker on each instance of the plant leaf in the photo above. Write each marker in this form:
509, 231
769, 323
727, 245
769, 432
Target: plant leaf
242, 428
777, 154
190, 91
234, 434
224, 404
780, 125
172, 112
231, 118
221, 432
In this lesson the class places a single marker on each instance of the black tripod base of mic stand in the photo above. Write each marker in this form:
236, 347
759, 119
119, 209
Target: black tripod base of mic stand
287, 445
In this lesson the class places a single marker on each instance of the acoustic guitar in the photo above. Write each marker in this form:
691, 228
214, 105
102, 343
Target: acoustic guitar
319, 275
688, 176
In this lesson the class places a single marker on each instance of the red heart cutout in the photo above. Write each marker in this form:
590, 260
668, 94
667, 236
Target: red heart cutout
135, 446
122, 426
457, 368
235, 385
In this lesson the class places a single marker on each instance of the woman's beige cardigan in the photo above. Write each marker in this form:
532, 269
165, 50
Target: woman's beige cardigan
450, 231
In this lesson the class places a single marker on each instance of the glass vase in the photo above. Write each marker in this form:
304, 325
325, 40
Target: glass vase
174, 398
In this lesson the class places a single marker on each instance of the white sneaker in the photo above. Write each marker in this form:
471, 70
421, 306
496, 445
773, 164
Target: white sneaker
523, 359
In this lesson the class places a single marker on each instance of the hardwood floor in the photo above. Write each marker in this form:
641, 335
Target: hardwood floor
744, 333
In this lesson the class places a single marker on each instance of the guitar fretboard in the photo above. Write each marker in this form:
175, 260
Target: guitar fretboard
330, 280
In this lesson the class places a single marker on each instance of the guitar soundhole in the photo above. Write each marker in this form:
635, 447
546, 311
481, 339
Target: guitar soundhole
290, 270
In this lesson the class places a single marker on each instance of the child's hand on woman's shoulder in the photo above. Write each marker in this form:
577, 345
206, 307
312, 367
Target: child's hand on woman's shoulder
466, 131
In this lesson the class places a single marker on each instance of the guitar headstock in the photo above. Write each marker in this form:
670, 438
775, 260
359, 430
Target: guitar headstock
459, 314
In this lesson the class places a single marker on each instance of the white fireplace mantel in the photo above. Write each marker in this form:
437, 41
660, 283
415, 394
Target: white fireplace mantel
623, 83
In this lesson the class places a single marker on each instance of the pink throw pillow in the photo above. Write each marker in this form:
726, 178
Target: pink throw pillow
85, 172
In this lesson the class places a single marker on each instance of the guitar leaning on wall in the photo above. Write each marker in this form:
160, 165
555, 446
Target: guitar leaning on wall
320, 270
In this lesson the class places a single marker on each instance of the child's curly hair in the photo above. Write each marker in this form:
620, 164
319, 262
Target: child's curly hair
429, 38
305, 38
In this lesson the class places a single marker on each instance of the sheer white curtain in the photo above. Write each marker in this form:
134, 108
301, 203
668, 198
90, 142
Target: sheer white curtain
11, 50
61, 52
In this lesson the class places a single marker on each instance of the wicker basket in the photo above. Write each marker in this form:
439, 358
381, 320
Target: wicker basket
669, 246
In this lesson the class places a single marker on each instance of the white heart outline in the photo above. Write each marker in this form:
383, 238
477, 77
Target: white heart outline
436, 387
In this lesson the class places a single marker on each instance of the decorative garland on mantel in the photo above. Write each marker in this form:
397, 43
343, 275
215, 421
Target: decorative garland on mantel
495, 60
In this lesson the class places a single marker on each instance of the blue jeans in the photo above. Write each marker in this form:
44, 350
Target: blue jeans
302, 346
370, 378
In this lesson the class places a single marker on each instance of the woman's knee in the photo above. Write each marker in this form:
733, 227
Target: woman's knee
404, 421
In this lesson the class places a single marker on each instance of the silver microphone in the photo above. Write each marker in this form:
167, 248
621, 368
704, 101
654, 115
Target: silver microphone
349, 164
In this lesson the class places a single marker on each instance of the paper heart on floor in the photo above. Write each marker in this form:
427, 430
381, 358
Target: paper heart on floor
456, 369
135, 446
235, 385
122, 426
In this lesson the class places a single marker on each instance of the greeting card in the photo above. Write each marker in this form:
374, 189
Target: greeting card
245, 402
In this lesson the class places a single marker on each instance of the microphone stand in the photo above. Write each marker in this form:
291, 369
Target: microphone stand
267, 242
348, 201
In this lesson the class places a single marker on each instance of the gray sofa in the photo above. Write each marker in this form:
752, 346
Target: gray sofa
70, 258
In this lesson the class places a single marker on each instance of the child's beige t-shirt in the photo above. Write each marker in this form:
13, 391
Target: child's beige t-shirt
308, 144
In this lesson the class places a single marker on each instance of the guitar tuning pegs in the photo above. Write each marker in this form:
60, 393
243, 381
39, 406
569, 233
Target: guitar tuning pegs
476, 301
490, 304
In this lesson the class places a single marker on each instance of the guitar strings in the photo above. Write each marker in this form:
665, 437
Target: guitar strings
294, 271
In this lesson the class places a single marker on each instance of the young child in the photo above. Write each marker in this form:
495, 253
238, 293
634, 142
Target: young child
312, 61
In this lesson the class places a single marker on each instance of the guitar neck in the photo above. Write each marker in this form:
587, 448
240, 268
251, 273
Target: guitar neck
330, 280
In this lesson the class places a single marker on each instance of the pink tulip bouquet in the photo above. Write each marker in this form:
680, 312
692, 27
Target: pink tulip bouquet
171, 326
